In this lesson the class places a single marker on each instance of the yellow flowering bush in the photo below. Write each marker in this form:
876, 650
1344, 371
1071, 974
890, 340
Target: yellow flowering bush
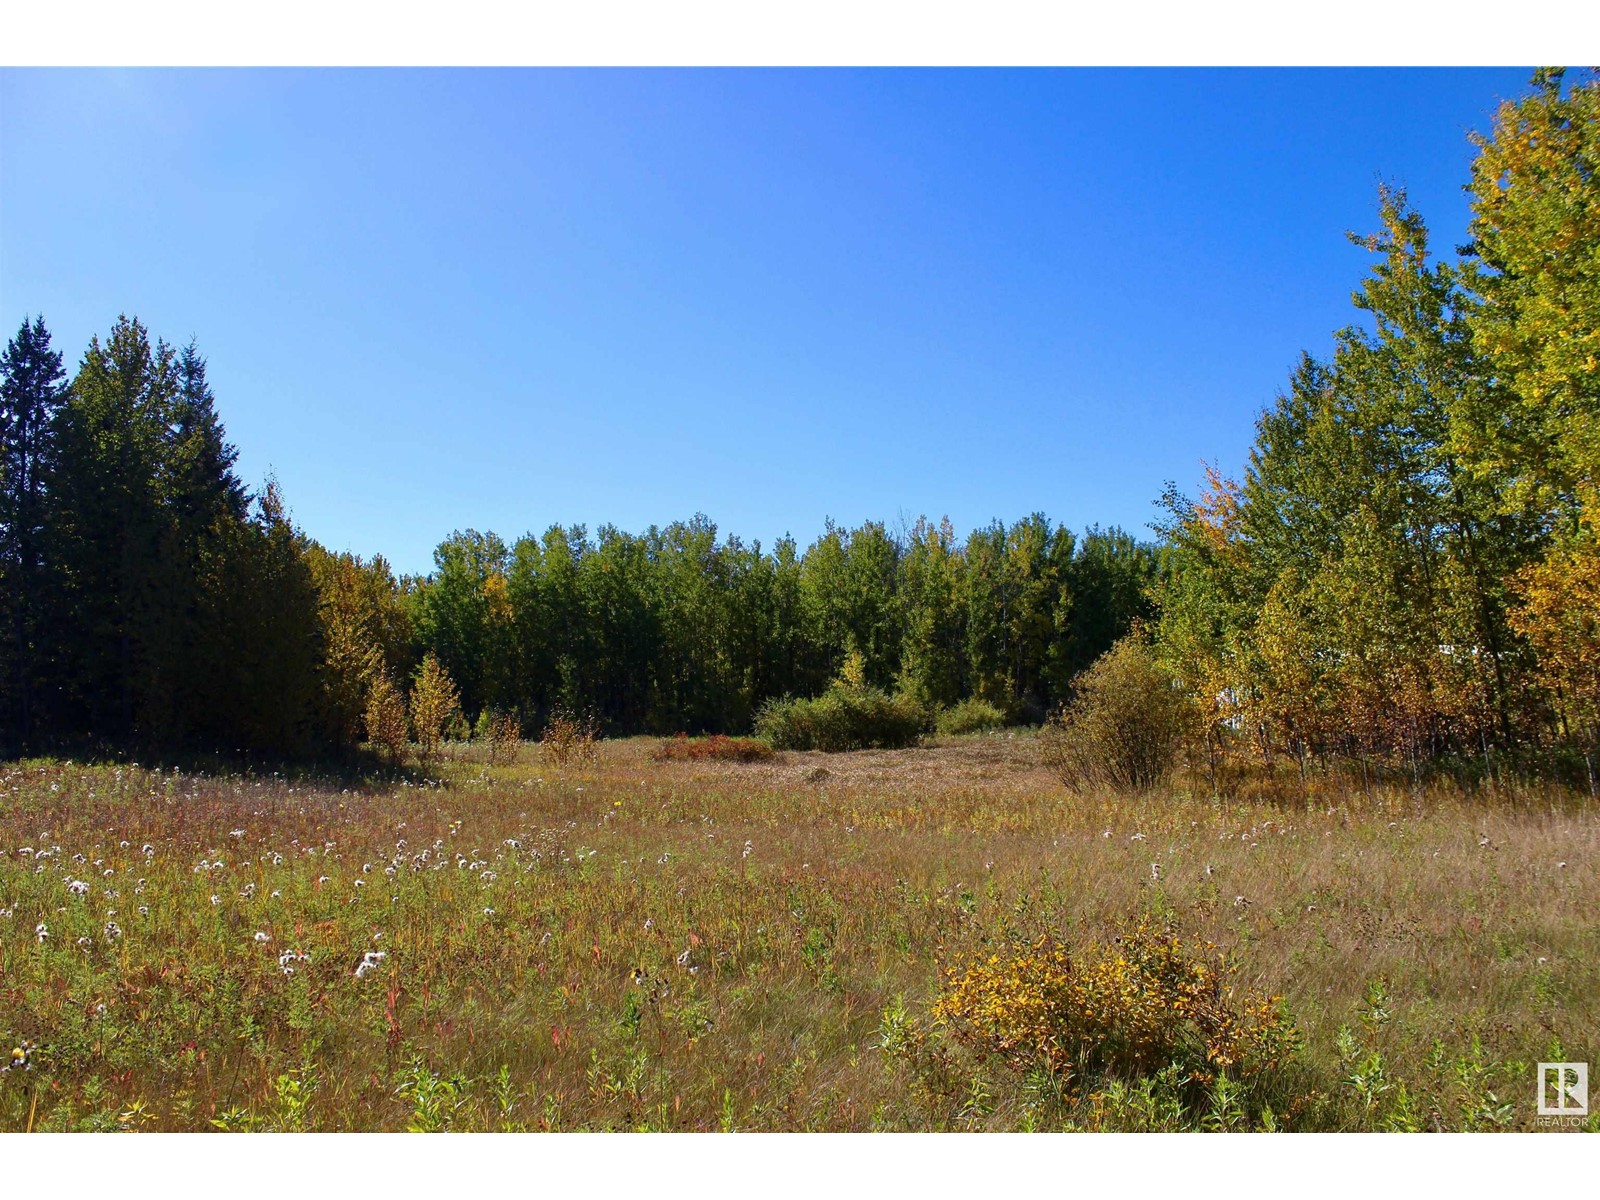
1127, 1010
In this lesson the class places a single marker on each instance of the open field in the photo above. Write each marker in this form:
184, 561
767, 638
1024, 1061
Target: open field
691, 945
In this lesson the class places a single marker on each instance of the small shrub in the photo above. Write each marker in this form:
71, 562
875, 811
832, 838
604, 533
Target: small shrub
716, 748
1125, 725
569, 740
970, 716
386, 718
434, 703
1122, 1012
843, 718
505, 737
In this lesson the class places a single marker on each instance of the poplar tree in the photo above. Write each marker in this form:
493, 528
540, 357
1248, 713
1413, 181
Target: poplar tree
434, 701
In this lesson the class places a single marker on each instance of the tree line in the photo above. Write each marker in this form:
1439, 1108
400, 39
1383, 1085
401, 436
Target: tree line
1408, 568
150, 600
1409, 565
143, 592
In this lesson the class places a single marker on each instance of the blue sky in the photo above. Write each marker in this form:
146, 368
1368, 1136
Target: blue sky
501, 299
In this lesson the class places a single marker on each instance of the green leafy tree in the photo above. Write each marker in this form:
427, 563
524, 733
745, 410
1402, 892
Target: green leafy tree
365, 633
1108, 587
464, 615
933, 658
1535, 274
385, 717
1559, 613
434, 702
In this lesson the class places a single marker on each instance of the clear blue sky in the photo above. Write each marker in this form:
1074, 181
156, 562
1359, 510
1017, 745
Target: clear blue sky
500, 299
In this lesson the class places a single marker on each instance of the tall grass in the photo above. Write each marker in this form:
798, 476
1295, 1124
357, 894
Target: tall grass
631, 944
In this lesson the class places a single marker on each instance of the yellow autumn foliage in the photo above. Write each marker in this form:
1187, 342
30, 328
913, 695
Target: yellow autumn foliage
1125, 1010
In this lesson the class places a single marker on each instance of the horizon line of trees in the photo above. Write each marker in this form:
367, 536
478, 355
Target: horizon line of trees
1409, 567
150, 600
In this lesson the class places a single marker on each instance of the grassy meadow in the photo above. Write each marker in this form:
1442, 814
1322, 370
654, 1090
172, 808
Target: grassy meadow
699, 945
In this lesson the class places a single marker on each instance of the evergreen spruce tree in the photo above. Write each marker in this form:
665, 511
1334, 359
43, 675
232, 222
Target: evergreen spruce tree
106, 486
32, 390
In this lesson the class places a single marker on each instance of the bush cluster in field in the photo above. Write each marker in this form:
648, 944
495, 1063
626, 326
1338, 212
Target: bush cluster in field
1129, 1010
621, 946
851, 715
969, 716
716, 748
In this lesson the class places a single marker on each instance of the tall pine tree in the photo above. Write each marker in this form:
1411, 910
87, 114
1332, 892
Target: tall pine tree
32, 389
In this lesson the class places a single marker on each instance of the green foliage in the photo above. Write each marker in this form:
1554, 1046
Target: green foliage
1122, 1013
843, 718
434, 705
1535, 274
969, 716
365, 633
146, 602
386, 721
435, 1099
32, 391
464, 617
1402, 571
1126, 725
149, 602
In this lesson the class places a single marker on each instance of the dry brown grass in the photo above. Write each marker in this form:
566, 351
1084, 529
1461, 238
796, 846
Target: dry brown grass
689, 945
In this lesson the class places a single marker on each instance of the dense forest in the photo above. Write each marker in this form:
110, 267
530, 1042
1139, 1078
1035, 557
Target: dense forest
150, 601
1408, 568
